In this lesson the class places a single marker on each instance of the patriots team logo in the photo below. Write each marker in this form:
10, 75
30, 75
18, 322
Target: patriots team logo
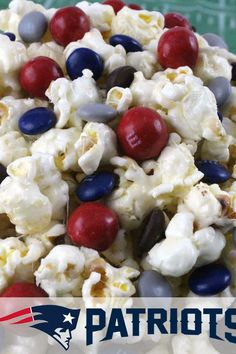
57, 321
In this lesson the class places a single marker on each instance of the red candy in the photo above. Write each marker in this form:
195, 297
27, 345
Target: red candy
23, 289
178, 47
37, 74
116, 4
69, 24
142, 133
175, 19
93, 225
135, 7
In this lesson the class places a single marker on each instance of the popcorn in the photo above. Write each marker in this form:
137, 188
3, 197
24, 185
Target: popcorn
13, 56
68, 95
183, 248
100, 15
33, 194
50, 49
119, 98
174, 93
96, 145
182, 344
142, 25
210, 205
59, 143
68, 270
143, 61
12, 147
11, 109
211, 62
120, 250
113, 57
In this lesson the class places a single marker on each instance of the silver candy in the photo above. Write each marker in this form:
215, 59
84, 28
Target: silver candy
32, 27
96, 112
221, 88
214, 40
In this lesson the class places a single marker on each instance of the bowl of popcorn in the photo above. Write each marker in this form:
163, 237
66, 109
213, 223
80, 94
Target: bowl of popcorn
117, 154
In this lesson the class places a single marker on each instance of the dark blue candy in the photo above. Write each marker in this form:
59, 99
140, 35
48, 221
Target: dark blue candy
130, 44
220, 115
37, 121
96, 186
84, 58
209, 280
10, 35
213, 171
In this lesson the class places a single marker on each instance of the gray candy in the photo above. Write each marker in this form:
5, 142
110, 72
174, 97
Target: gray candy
221, 88
32, 27
96, 112
214, 40
153, 284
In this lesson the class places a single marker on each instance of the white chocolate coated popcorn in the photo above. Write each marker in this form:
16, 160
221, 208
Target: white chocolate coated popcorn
11, 109
182, 344
113, 57
68, 95
96, 145
119, 98
49, 49
143, 61
100, 15
33, 194
142, 25
174, 93
183, 248
13, 56
12, 147
59, 143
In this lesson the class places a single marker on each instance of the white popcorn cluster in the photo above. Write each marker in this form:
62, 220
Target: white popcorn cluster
119, 98
113, 57
69, 270
34, 194
183, 248
142, 25
12, 147
68, 95
100, 15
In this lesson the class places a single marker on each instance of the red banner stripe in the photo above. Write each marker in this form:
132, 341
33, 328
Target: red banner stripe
25, 320
16, 314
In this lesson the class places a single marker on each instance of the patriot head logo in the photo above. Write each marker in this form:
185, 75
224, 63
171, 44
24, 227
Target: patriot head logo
57, 321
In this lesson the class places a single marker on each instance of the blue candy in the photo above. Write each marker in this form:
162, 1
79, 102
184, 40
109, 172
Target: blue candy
10, 35
220, 115
96, 186
84, 58
37, 121
213, 171
130, 44
209, 280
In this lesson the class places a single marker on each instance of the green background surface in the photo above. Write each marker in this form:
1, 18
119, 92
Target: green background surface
218, 16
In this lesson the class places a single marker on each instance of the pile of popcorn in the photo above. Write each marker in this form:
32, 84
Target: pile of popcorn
44, 170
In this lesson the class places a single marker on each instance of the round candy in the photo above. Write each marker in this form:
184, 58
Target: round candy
152, 231
221, 88
23, 289
234, 235
213, 171
37, 121
122, 77
37, 74
233, 71
220, 115
178, 47
96, 186
215, 41
69, 24
10, 35
153, 284
3, 173
135, 7
116, 4
209, 280
173, 19
142, 133
84, 58
33, 26
96, 112
130, 44
93, 225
